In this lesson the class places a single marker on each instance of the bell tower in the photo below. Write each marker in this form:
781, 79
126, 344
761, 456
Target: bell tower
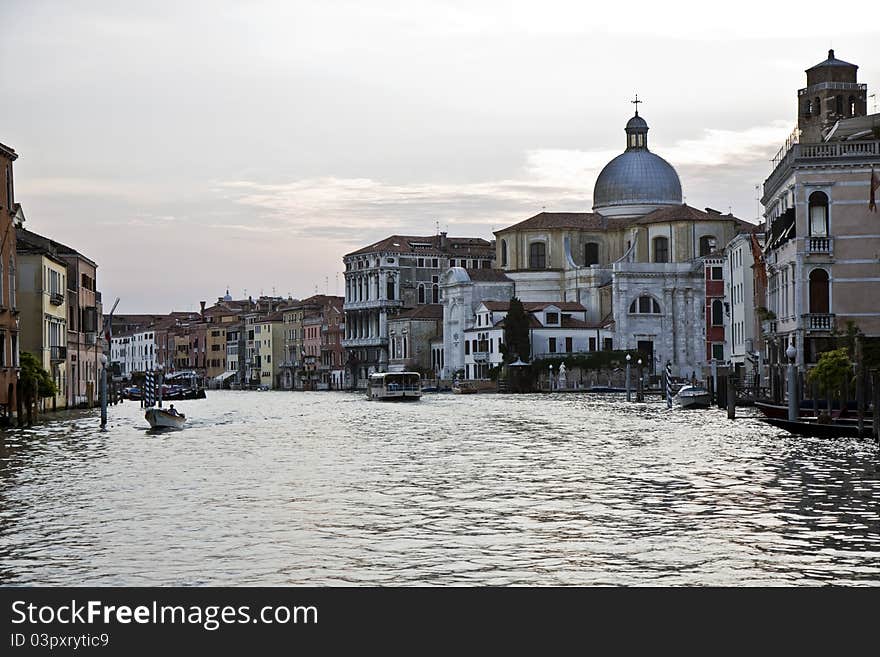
832, 93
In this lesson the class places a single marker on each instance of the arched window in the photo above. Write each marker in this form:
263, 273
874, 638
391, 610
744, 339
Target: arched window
421, 293
817, 106
717, 313
503, 253
435, 293
819, 301
645, 305
591, 254
707, 245
661, 249
808, 107
818, 214
838, 104
537, 255
389, 289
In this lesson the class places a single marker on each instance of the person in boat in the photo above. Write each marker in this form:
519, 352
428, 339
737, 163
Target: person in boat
173, 410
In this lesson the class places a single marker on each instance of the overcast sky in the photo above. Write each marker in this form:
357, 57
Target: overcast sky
187, 146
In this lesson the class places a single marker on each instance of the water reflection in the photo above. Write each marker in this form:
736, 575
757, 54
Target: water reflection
325, 488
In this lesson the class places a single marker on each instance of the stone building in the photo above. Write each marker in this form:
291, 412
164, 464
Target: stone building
410, 333
9, 321
392, 274
744, 296
635, 263
822, 237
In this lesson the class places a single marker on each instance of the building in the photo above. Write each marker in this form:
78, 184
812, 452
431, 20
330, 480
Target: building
42, 300
635, 263
269, 349
134, 352
713, 268
390, 275
556, 330
744, 306
9, 319
822, 237
410, 333
313, 352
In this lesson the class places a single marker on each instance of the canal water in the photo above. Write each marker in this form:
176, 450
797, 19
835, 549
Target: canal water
280, 488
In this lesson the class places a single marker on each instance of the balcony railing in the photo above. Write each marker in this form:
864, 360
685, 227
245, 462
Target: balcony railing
481, 356
819, 245
56, 298
819, 322
57, 353
365, 342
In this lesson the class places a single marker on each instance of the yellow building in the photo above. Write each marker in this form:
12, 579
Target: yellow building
269, 348
42, 301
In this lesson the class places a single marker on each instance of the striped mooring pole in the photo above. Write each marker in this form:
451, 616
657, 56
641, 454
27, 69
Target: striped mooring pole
668, 385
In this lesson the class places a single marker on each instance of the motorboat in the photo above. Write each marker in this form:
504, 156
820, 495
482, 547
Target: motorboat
691, 396
395, 386
162, 418
464, 387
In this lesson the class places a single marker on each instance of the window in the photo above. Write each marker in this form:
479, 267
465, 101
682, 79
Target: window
838, 104
569, 346
717, 313
717, 274
537, 255
592, 344
607, 344
552, 318
389, 289
435, 263
718, 351
435, 293
819, 297
818, 203
852, 106
591, 254
645, 305
551, 345
421, 293
421, 262
661, 249
707, 245
467, 347
503, 253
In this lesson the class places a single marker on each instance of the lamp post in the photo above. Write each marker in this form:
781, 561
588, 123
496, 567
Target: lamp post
103, 391
791, 352
639, 394
628, 385
550, 380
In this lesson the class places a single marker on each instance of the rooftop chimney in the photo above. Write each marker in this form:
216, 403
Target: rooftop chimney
202, 304
442, 240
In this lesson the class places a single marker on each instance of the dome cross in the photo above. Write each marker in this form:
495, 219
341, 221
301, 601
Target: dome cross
636, 103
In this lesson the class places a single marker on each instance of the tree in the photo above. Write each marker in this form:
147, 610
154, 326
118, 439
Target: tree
35, 383
834, 367
517, 342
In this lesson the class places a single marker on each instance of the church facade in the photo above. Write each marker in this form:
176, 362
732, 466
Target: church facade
636, 263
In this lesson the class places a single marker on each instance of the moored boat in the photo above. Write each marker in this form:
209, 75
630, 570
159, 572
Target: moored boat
832, 429
464, 387
693, 397
395, 386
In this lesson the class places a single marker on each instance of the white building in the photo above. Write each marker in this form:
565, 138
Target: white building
556, 330
134, 351
742, 328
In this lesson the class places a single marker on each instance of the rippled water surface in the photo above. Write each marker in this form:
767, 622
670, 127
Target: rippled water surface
280, 488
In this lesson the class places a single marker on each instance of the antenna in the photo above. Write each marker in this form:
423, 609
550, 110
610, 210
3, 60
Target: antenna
337, 284
437, 224
874, 96
326, 286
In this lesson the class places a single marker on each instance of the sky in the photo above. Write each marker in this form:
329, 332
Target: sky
188, 146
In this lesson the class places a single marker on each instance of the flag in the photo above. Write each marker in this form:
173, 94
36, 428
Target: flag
875, 185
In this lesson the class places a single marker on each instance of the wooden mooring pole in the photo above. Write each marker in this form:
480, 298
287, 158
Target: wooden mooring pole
731, 398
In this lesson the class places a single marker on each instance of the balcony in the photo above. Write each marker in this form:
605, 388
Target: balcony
57, 353
481, 356
819, 322
365, 342
768, 327
373, 304
90, 339
56, 298
819, 245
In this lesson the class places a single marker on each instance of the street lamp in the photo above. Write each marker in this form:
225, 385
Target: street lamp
639, 394
550, 380
628, 386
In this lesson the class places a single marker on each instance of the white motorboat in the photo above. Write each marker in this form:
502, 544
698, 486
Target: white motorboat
161, 418
693, 397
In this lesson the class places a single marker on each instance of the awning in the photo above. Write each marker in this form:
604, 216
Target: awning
224, 376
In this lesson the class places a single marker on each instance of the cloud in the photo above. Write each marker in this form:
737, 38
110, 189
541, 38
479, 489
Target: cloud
358, 210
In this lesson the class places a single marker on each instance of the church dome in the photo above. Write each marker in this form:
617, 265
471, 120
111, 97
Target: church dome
636, 181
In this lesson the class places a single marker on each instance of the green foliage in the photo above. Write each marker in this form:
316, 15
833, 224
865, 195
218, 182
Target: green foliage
516, 333
32, 372
834, 367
